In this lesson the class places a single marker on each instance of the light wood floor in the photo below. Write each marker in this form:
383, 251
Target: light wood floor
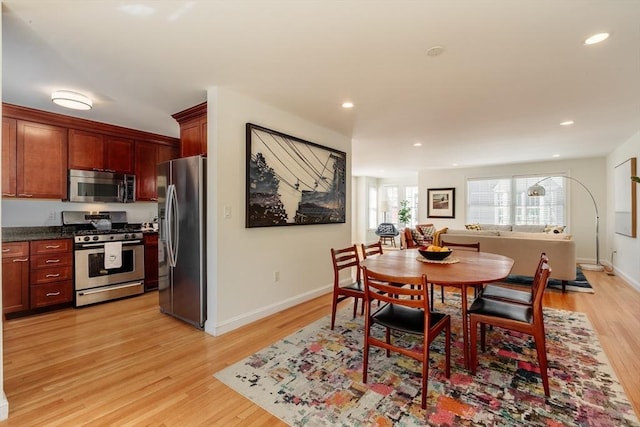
125, 363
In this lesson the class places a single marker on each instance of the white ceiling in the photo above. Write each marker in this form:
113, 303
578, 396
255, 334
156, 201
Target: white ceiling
511, 71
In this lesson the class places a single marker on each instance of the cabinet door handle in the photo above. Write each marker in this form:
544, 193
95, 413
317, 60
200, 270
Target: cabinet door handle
8, 194
52, 246
21, 260
6, 250
53, 294
53, 275
25, 195
52, 261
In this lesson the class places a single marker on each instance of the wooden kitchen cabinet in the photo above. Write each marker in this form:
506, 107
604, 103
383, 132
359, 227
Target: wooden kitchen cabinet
8, 157
41, 161
15, 277
94, 151
51, 272
148, 155
193, 130
150, 261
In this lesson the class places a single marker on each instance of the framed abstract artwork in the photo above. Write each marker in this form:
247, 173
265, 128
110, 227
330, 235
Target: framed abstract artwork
441, 203
291, 181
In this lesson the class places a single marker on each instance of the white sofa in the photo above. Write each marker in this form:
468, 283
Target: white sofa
523, 247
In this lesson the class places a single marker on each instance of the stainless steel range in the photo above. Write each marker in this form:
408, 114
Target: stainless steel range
109, 256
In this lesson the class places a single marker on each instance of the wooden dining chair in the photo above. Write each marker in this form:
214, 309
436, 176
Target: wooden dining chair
405, 310
346, 259
371, 249
462, 246
503, 293
516, 317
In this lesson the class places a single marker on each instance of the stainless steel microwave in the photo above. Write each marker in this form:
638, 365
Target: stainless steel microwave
106, 187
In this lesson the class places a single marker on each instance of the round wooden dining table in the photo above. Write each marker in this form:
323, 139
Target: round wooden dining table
470, 268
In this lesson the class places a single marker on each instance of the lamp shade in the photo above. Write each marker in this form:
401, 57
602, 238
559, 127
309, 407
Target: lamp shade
536, 190
69, 99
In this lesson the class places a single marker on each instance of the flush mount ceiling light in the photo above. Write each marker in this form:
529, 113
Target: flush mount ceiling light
435, 51
597, 38
567, 123
69, 99
347, 104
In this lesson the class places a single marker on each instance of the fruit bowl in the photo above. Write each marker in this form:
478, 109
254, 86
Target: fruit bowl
434, 255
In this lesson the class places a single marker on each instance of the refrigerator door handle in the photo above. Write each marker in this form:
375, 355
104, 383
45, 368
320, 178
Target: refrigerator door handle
173, 215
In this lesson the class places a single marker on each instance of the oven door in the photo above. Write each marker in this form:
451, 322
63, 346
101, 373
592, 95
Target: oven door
91, 272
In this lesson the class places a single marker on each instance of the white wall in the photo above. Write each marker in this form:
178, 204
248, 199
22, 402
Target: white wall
242, 261
581, 224
4, 403
626, 260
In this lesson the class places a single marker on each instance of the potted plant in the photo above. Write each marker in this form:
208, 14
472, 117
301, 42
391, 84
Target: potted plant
404, 213
635, 178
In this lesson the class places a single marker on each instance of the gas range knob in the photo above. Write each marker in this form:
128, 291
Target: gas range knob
111, 237
126, 236
86, 238
95, 237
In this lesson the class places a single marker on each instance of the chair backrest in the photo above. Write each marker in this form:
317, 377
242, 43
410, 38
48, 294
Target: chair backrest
539, 287
378, 286
543, 259
465, 246
387, 229
343, 259
371, 249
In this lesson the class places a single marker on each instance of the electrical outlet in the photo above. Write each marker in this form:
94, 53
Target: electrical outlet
276, 276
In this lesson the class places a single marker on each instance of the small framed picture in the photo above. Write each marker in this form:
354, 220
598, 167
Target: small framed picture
441, 203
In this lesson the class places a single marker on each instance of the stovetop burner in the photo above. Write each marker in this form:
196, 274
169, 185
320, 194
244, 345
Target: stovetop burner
90, 232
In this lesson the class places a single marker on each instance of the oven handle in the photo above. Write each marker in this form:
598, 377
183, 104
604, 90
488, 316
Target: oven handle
100, 245
110, 288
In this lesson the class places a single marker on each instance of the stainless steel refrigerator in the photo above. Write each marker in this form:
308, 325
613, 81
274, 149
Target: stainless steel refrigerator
182, 239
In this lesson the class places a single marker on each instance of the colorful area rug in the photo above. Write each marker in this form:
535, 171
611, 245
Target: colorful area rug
314, 378
579, 285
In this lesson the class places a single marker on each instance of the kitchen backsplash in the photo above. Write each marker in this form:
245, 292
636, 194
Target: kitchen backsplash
29, 213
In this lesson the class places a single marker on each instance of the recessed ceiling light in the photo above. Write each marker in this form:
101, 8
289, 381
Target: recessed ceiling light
418, 144
347, 104
435, 51
597, 38
137, 9
69, 99
567, 123
555, 155
454, 164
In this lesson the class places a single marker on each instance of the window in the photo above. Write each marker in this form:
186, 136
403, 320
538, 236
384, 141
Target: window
373, 208
391, 204
505, 201
411, 194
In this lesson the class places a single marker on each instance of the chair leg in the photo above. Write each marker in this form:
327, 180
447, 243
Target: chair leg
473, 327
447, 354
334, 306
442, 293
425, 373
542, 360
388, 336
483, 337
355, 307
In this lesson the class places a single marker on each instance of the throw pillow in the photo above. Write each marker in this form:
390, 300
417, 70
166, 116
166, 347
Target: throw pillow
529, 228
427, 230
556, 229
472, 226
416, 236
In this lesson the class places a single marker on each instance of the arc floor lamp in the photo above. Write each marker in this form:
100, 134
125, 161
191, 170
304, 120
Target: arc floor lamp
537, 190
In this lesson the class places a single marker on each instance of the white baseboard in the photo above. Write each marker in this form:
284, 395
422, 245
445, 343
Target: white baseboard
246, 318
4, 407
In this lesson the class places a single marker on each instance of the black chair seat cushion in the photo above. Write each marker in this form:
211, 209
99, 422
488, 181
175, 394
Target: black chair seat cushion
508, 294
504, 310
405, 319
356, 286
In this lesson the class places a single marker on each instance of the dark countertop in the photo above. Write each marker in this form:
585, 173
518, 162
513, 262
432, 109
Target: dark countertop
21, 234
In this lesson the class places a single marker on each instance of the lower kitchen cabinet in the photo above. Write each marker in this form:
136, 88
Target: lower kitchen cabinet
15, 277
150, 261
51, 275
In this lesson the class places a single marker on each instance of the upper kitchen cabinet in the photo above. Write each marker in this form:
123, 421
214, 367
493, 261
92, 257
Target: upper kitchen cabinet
41, 161
8, 157
193, 130
94, 151
148, 155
